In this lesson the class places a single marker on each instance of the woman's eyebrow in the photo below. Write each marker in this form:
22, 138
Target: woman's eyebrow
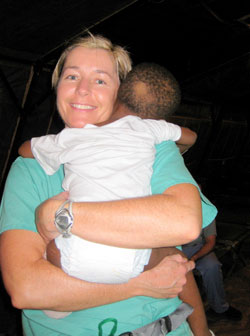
75, 67
71, 67
99, 71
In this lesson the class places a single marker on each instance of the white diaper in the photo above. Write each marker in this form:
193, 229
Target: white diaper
100, 263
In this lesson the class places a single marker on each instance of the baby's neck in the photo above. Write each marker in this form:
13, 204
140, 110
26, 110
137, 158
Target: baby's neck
119, 112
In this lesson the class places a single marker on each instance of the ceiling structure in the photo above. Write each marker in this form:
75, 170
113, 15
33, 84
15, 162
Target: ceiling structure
206, 44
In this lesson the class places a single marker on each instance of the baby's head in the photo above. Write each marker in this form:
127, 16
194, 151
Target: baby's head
150, 91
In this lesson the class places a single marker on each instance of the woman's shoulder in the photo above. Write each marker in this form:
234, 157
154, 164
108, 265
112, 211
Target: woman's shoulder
28, 172
30, 166
26, 187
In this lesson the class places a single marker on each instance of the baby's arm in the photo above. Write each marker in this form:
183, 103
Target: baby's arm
25, 150
187, 139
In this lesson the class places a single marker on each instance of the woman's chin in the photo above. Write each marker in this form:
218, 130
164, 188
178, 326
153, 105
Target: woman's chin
76, 124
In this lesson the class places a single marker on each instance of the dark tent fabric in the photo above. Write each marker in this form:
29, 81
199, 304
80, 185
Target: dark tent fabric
204, 43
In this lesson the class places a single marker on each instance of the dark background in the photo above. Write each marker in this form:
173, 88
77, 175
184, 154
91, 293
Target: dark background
205, 44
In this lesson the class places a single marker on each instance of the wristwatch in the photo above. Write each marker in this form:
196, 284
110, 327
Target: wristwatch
64, 219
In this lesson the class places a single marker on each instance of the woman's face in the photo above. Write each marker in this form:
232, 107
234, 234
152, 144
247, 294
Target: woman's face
87, 87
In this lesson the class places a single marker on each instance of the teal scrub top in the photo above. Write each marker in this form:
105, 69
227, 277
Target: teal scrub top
27, 186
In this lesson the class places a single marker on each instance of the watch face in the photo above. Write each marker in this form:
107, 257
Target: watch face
64, 220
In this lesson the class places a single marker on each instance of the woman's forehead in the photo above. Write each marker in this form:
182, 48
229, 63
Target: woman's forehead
91, 58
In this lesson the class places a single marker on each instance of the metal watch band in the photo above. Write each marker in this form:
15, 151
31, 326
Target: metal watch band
63, 205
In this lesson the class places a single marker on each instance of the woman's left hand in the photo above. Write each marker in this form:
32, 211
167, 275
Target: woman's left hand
45, 216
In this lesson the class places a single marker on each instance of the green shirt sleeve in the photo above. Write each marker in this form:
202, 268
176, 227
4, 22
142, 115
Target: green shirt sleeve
26, 187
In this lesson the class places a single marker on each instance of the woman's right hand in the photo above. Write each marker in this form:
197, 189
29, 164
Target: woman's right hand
166, 280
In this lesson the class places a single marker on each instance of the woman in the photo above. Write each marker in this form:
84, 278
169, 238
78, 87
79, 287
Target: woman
87, 80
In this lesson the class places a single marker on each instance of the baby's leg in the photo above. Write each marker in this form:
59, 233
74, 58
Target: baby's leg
160, 253
53, 254
190, 293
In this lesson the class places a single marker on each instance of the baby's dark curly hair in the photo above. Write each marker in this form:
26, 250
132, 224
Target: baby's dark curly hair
150, 91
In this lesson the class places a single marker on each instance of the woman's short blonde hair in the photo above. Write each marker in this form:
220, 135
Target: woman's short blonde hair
121, 56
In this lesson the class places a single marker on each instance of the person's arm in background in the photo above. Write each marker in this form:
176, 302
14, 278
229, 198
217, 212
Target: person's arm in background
187, 139
209, 236
206, 248
25, 150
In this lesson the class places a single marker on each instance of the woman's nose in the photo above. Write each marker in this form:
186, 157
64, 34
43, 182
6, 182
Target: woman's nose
83, 87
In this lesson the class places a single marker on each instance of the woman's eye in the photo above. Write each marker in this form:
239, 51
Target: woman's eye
71, 77
100, 81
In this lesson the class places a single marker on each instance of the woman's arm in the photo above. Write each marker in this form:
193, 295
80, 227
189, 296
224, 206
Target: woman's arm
173, 218
170, 217
34, 283
155, 221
